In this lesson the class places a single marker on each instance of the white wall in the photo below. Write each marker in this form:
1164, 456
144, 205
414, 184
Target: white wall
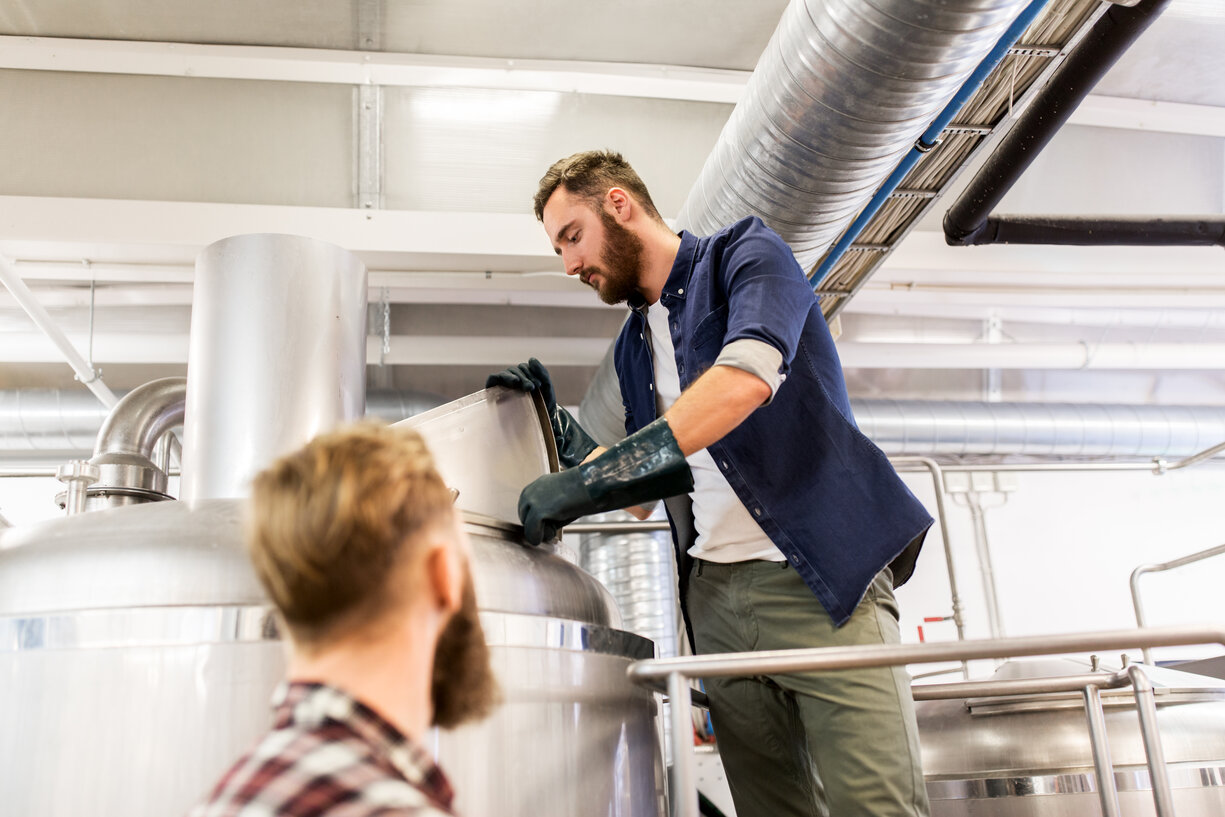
1063, 547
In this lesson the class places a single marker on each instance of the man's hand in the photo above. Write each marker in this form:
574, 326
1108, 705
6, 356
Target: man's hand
573, 443
645, 466
551, 502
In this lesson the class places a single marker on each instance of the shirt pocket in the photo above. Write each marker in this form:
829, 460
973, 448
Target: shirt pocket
708, 335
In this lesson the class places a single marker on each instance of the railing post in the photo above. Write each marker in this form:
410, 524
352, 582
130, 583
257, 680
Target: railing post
1103, 766
1146, 707
684, 784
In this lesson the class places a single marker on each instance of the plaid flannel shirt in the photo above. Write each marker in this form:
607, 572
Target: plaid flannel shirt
328, 754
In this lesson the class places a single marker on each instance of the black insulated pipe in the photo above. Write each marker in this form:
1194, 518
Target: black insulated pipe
1101, 231
1111, 35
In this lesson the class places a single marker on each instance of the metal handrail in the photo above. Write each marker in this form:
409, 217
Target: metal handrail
937, 475
678, 670
1157, 568
1160, 466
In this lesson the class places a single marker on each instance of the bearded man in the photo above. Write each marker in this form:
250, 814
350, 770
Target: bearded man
791, 527
356, 540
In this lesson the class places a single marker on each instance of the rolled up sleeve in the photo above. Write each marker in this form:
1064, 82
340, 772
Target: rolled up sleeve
755, 357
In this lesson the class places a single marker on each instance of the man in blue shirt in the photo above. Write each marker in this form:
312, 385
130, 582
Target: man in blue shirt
791, 527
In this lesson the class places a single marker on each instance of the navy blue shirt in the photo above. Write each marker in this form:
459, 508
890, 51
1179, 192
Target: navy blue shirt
823, 493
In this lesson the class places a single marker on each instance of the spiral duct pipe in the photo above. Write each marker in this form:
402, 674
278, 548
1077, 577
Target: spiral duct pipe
1039, 429
840, 94
68, 421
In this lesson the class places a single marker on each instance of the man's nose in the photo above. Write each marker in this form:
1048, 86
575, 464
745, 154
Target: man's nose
571, 263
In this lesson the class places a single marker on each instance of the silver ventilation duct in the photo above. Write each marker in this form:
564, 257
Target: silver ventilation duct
841, 93
1039, 429
66, 422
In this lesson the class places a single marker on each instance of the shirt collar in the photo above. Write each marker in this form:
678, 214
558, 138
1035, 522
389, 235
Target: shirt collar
308, 705
678, 277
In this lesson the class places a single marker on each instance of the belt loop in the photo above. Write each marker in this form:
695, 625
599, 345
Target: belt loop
699, 564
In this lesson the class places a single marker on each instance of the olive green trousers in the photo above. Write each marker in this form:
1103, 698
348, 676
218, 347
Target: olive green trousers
842, 743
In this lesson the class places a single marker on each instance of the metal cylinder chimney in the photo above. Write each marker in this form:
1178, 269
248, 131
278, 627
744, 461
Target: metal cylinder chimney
277, 355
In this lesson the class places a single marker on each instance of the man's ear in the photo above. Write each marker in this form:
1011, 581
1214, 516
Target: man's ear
444, 576
619, 203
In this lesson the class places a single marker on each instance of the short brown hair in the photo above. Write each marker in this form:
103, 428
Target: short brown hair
590, 175
328, 523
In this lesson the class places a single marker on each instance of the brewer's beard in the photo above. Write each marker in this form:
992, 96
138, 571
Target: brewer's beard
621, 262
463, 687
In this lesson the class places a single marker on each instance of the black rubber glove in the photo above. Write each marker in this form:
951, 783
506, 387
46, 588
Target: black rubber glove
573, 444
645, 466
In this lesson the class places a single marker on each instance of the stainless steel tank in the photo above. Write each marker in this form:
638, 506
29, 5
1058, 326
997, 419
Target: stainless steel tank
138, 655
1030, 756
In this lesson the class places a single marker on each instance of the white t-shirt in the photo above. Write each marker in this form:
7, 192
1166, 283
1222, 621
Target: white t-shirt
726, 531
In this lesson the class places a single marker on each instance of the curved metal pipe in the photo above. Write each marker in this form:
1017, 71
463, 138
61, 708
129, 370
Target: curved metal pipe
840, 94
1110, 36
1142, 570
140, 419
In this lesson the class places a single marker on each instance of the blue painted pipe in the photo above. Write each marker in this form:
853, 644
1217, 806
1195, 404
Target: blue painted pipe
929, 138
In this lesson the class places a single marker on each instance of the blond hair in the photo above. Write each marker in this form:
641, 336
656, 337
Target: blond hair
328, 523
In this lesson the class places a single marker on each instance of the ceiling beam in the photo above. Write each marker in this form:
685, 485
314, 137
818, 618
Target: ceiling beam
462, 350
161, 232
370, 68
1149, 115
647, 81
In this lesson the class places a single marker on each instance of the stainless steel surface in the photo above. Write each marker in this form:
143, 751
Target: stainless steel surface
637, 568
124, 451
277, 355
158, 555
78, 475
489, 445
1141, 618
138, 654
1013, 752
142, 417
817, 129
574, 737
628, 525
512, 578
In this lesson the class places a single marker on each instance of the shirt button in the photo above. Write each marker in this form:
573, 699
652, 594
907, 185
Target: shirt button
723, 464
757, 511
680, 292
651, 386
641, 336
674, 326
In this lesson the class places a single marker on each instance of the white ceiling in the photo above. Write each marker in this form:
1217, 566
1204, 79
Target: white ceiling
135, 134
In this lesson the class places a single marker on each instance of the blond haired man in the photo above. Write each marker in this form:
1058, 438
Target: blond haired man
357, 543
